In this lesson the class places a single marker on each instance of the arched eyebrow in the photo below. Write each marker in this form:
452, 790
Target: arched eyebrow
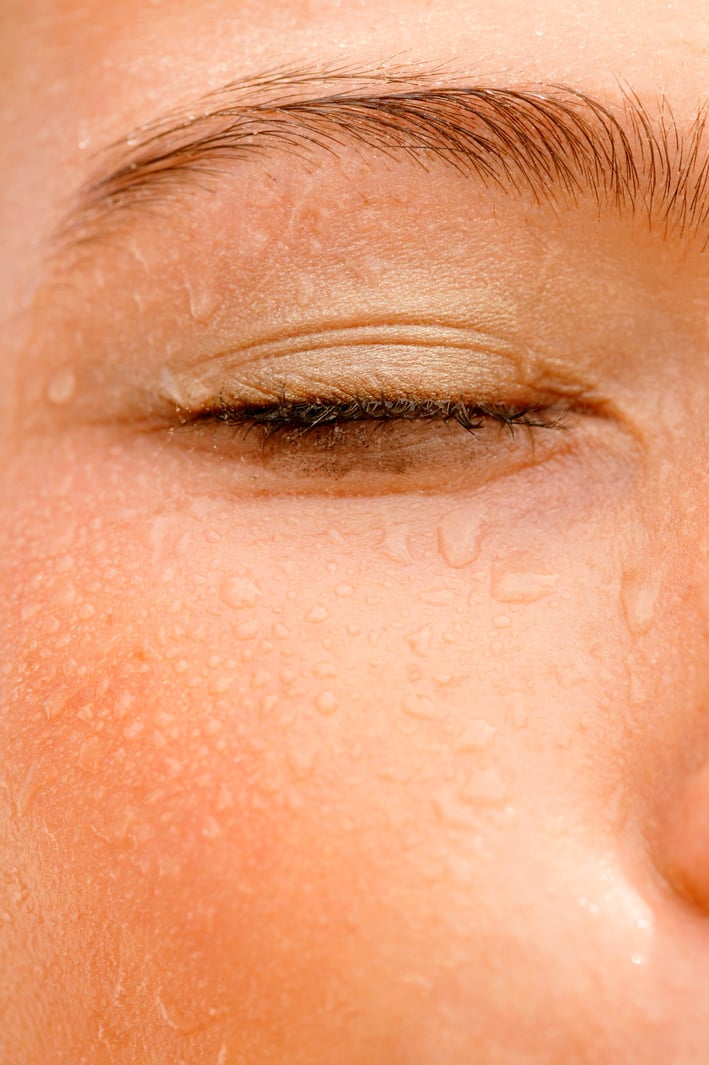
557, 143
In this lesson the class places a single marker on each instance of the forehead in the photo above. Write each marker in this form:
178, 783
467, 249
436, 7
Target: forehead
83, 73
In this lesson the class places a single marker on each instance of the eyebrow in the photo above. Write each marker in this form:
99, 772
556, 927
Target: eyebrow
557, 143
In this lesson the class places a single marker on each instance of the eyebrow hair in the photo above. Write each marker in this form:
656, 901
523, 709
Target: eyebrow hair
557, 143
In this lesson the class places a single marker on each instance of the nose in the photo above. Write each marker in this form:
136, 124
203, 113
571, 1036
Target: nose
683, 808
685, 839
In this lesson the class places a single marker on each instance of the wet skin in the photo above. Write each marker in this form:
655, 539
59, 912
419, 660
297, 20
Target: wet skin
380, 742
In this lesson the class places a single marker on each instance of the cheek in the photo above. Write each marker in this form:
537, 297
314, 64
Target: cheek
284, 750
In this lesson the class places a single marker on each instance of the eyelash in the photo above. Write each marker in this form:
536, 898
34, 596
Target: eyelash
298, 418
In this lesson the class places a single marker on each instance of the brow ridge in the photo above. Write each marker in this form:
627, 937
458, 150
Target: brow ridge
555, 142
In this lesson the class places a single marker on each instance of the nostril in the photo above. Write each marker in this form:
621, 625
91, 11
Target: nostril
685, 840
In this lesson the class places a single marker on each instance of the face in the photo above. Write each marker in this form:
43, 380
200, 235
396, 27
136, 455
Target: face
353, 550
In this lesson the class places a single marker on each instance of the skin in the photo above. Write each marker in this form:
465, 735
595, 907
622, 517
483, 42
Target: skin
294, 771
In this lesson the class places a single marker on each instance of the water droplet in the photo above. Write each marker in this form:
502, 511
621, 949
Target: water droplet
420, 641
344, 590
396, 544
476, 736
280, 631
225, 800
353, 630
459, 539
62, 387
639, 593
521, 586
90, 754
203, 302
318, 613
437, 596
239, 592
485, 787
502, 621
247, 630
327, 702
301, 760
324, 670
211, 829
520, 716
133, 729
418, 706
260, 679
55, 704
28, 791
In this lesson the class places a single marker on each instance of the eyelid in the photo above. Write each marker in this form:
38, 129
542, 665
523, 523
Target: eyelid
428, 359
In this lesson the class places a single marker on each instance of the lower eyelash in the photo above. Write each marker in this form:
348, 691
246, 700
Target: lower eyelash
303, 416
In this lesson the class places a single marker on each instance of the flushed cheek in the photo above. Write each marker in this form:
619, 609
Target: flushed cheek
289, 742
